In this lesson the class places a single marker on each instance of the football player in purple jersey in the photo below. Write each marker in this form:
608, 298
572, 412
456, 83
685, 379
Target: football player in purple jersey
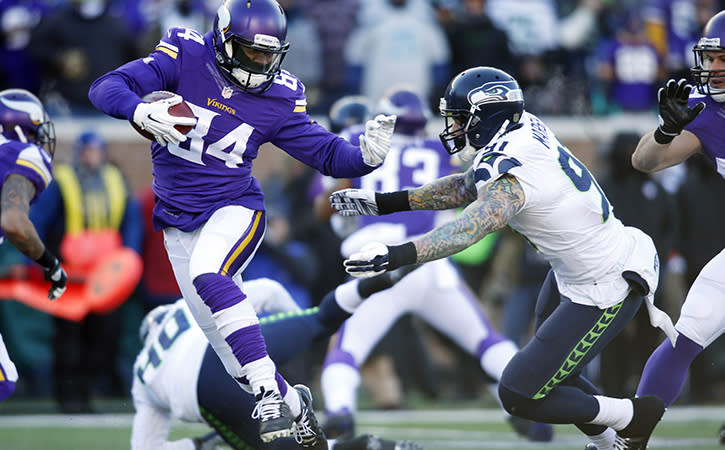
208, 204
691, 121
435, 292
27, 145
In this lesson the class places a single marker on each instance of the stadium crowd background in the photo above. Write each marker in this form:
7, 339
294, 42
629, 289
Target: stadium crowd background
590, 67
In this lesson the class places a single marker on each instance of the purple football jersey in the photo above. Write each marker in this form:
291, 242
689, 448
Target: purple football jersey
411, 162
706, 127
212, 168
27, 160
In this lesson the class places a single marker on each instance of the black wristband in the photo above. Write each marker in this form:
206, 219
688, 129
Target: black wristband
47, 259
401, 255
390, 202
662, 138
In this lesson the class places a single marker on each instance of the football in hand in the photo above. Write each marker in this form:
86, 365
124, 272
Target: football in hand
180, 109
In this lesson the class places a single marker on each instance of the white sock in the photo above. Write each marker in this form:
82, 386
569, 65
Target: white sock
347, 296
604, 441
613, 412
339, 384
261, 374
292, 398
494, 360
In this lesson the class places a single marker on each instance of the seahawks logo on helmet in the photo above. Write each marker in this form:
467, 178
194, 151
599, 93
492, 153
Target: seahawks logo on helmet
494, 92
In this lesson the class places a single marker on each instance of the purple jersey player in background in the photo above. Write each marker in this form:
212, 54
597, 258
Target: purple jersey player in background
690, 122
27, 144
435, 292
208, 204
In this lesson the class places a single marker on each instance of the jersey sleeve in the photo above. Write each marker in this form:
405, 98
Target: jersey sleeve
117, 93
34, 164
491, 166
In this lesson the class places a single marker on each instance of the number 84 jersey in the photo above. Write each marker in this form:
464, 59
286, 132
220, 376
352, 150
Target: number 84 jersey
566, 215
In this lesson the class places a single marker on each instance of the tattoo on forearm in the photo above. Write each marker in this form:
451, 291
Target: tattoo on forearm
17, 191
497, 203
445, 193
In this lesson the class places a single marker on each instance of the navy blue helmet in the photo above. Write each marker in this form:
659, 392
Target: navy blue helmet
24, 119
710, 46
249, 39
412, 112
348, 111
478, 104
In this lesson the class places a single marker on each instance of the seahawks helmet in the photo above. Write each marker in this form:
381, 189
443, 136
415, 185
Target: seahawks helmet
23, 118
478, 105
348, 111
412, 113
249, 39
711, 44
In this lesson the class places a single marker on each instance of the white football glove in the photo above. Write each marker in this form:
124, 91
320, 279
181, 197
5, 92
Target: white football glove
375, 143
154, 117
355, 202
373, 259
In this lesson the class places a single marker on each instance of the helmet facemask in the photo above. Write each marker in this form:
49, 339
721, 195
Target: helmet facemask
709, 82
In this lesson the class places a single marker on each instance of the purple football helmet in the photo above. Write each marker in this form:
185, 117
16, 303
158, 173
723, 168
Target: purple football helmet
710, 46
24, 119
412, 112
478, 105
249, 39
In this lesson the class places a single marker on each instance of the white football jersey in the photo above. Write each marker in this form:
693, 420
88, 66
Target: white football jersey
566, 215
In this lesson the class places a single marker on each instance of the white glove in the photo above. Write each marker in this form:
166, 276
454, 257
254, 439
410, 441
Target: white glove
373, 259
154, 117
355, 202
375, 143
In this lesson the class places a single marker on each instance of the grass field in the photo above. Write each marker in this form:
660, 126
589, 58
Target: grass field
683, 428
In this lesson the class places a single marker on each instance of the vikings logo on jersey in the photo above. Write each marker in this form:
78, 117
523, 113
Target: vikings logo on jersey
496, 91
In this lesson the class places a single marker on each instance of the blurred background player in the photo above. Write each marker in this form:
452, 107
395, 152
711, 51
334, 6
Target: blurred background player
435, 292
27, 146
208, 203
176, 357
87, 212
690, 123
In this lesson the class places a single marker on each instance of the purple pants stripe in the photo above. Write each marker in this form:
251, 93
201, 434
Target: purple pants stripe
245, 247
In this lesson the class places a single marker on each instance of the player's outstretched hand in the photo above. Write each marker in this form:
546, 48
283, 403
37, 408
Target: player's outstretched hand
375, 143
373, 259
674, 113
355, 202
58, 279
154, 117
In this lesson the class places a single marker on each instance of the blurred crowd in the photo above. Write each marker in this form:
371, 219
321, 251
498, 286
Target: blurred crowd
571, 57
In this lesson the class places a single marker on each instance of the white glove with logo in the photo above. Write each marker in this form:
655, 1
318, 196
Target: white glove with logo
375, 143
154, 117
355, 202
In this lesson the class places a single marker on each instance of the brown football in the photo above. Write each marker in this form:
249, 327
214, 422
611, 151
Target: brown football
180, 109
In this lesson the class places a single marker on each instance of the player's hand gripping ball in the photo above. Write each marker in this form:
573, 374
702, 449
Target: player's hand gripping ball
163, 117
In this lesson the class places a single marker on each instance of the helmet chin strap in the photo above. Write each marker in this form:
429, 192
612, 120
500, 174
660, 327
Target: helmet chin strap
469, 151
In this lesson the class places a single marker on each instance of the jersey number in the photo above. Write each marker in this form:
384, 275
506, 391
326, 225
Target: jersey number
581, 178
173, 328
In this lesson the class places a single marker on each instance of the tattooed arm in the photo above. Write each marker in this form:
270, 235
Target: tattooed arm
17, 192
448, 192
496, 204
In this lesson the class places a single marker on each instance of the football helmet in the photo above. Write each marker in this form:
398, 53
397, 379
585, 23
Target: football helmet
479, 104
23, 118
249, 39
708, 81
412, 112
348, 111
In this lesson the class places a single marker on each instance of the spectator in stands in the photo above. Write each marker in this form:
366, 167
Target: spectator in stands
628, 69
18, 70
403, 46
73, 46
88, 200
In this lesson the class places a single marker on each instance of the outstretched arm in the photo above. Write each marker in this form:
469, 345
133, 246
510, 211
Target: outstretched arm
447, 192
496, 204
